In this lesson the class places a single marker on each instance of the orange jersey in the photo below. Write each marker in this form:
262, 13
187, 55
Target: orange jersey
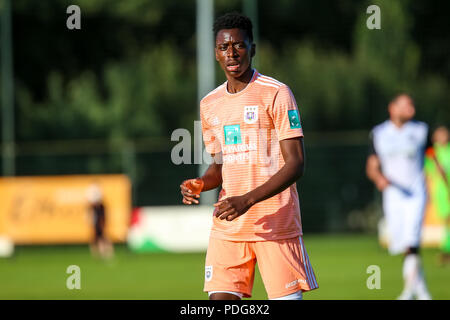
247, 127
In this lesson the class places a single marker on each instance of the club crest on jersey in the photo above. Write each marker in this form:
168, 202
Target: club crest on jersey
232, 134
250, 114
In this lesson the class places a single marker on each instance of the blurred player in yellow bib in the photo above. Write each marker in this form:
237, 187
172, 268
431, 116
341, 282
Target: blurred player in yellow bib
437, 168
251, 126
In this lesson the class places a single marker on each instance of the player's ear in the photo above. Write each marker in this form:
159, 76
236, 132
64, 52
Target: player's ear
391, 107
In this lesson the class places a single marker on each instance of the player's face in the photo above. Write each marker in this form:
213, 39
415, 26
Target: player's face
406, 108
234, 52
403, 109
441, 136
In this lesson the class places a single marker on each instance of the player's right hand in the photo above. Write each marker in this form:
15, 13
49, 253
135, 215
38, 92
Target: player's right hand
382, 183
188, 194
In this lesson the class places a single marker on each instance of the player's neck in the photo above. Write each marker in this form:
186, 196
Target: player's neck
235, 85
398, 122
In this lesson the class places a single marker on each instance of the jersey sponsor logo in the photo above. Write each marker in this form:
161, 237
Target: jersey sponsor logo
250, 114
232, 134
238, 153
240, 148
236, 158
208, 273
294, 119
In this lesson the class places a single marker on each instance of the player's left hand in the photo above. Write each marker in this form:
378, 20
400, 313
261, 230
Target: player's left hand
232, 207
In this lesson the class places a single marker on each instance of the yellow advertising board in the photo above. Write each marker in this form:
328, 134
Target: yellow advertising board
55, 209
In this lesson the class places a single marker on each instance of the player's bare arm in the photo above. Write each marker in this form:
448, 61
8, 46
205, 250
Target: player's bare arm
373, 171
210, 180
293, 154
439, 137
441, 171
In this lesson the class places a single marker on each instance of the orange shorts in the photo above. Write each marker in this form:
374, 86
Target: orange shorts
284, 266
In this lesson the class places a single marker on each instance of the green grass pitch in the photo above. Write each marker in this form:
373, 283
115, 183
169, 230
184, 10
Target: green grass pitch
340, 263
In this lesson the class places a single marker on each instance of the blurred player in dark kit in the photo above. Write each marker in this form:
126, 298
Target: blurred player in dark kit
100, 245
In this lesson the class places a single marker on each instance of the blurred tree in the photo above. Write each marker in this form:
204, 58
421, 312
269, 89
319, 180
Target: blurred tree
130, 71
150, 96
337, 90
129, 74
391, 61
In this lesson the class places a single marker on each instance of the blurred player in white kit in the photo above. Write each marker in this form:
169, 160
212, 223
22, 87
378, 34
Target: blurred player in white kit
395, 166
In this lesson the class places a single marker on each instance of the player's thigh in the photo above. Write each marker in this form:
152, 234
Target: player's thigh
285, 267
394, 212
394, 206
414, 214
229, 266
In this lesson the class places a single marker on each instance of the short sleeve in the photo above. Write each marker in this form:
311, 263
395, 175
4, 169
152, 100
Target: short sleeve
285, 115
210, 139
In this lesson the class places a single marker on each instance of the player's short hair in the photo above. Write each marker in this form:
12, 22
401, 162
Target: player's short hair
234, 20
401, 94
439, 126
